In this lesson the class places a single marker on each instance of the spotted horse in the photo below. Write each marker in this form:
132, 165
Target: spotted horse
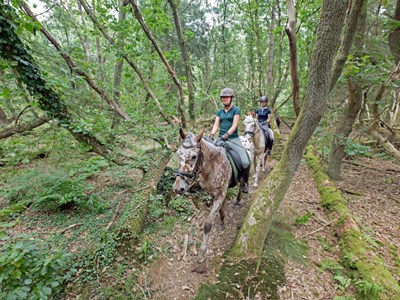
201, 159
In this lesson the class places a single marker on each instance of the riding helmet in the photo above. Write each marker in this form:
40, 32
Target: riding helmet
263, 98
227, 92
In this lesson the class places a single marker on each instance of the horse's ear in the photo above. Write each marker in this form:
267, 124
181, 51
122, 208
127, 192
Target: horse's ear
199, 136
182, 134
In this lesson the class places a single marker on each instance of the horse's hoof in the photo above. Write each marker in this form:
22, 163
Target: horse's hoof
254, 176
255, 185
200, 267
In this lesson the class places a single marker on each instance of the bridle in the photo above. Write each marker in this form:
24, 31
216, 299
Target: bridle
197, 168
254, 132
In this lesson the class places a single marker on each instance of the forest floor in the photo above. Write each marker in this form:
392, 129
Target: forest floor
371, 187
160, 267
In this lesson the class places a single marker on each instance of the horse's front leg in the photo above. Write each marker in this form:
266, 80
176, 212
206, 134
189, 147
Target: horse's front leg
254, 165
201, 258
222, 217
263, 159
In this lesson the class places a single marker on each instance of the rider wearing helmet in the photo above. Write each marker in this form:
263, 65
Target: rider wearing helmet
227, 121
263, 115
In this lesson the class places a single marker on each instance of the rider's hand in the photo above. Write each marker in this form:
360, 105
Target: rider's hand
211, 136
225, 137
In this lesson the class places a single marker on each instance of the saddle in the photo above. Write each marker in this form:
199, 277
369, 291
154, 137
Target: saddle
234, 160
268, 134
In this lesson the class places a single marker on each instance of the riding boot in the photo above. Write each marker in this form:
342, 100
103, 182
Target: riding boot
244, 184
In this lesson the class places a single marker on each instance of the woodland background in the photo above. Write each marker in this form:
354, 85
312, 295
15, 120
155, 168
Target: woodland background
92, 95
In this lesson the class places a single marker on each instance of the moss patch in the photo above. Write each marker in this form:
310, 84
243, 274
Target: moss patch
249, 279
238, 280
372, 278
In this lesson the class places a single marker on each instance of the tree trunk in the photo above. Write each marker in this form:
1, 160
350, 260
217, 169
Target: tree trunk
345, 124
10, 131
291, 32
394, 37
344, 128
186, 58
85, 39
349, 33
251, 238
74, 68
385, 144
271, 53
181, 102
119, 63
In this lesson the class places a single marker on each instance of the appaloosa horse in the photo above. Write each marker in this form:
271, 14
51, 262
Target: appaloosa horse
252, 129
201, 159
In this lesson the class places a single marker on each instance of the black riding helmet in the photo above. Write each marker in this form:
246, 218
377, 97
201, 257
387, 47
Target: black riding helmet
263, 99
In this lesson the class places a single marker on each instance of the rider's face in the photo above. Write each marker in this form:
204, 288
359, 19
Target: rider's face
263, 103
226, 100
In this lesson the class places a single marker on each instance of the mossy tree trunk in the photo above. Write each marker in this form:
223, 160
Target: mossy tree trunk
358, 255
251, 238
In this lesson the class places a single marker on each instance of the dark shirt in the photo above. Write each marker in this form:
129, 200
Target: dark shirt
262, 114
226, 121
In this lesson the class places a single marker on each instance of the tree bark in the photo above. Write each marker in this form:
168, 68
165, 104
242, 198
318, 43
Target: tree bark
271, 54
102, 93
344, 128
10, 131
345, 124
181, 102
130, 62
251, 238
394, 36
119, 62
349, 33
385, 144
186, 58
291, 32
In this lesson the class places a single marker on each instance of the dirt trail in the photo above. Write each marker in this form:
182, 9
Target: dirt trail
376, 209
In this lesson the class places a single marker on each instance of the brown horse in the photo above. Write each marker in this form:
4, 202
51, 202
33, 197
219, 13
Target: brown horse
201, 159
253, 130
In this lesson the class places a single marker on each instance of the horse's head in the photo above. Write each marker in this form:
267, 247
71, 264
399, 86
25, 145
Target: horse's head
190, 161
249, 125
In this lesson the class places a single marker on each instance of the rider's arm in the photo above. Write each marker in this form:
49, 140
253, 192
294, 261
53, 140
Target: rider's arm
269, 118
235, 124
216, 126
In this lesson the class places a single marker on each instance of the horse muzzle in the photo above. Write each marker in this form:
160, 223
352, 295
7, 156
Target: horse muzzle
180, 186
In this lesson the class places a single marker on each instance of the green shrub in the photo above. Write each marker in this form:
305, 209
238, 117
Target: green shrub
30, 270
303, 219
182, 206
51, 191
353, 149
